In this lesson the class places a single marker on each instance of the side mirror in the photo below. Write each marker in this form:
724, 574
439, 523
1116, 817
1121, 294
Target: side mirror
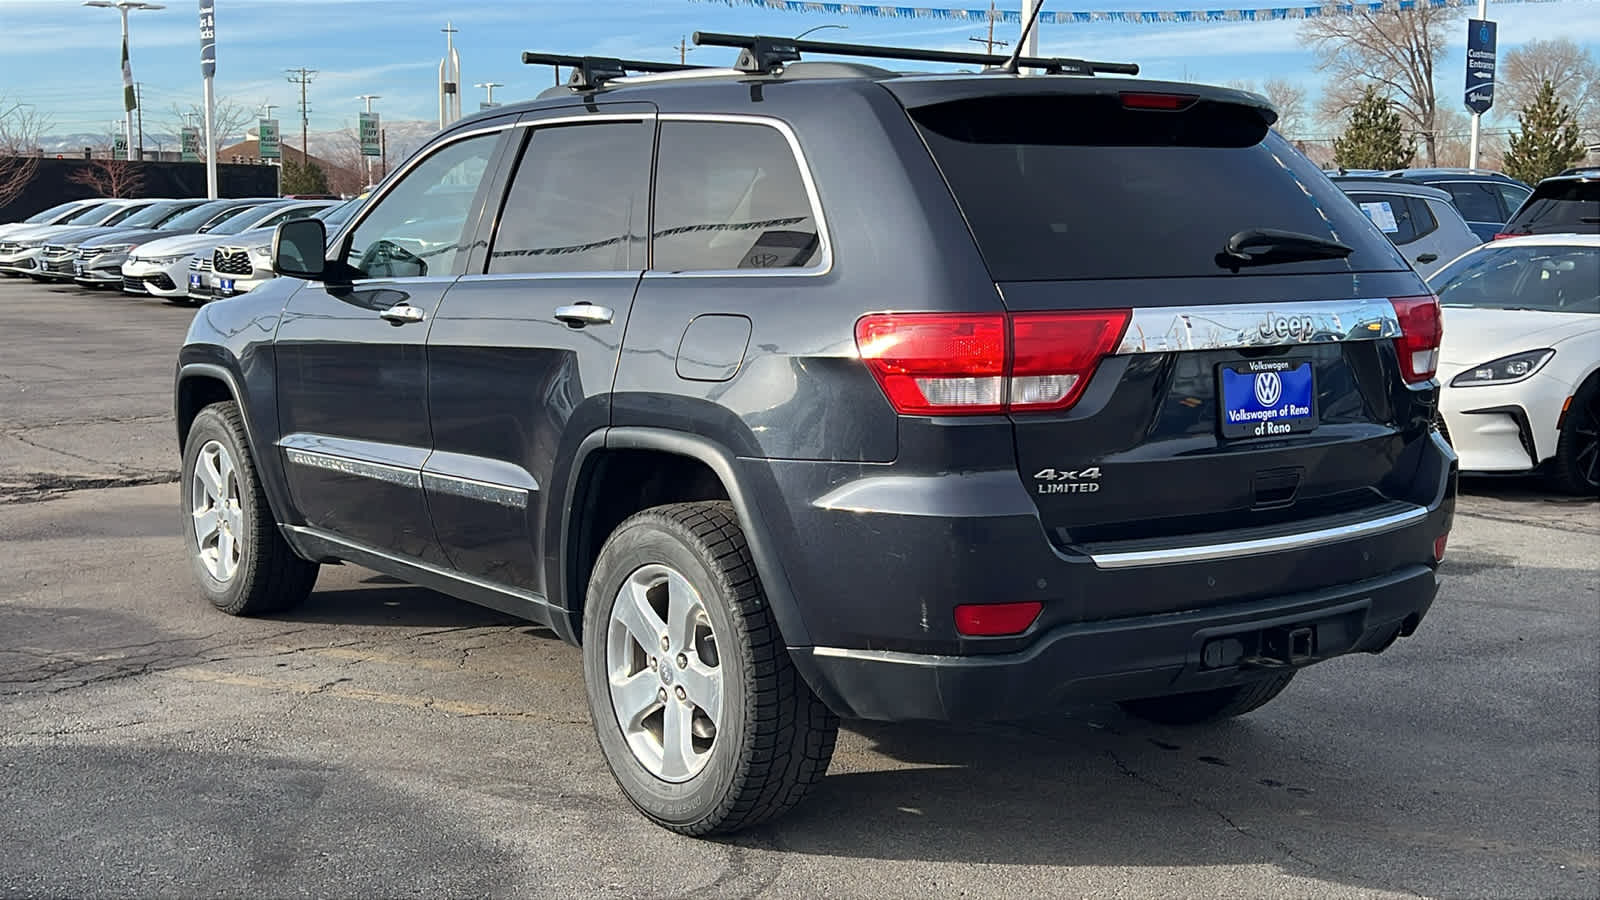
299, 248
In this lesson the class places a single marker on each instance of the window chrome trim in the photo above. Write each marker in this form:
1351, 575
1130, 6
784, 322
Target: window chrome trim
358, 467
824, 264
1175, 329
473, 489
1258, 546
549, 276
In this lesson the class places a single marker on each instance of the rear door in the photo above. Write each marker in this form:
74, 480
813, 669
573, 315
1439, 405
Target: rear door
524, 349
351, 362
1222, 392
1409, 223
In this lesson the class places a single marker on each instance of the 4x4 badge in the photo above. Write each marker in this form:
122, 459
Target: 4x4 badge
1060, 481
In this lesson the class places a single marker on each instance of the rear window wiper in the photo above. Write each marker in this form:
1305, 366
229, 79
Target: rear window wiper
1265, 246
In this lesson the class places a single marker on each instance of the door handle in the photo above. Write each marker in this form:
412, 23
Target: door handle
584, 313
402, 314
1427, 257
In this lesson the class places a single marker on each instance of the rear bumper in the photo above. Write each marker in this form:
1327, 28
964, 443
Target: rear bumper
1117, 660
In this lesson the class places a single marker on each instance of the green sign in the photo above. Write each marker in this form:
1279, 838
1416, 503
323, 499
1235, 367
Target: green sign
371, 140
270, 147
191, 144
119, 147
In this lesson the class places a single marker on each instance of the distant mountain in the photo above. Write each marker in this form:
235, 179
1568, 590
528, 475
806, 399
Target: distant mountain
404, 139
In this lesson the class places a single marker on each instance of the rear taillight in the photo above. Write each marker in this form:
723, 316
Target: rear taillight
1503, 235
1420, 333
1173, 102
941, 364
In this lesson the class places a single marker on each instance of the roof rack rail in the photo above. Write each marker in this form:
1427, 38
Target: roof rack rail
591, 72
763, 54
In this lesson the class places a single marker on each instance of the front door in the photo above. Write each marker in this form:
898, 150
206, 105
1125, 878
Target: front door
352, 362
524, 349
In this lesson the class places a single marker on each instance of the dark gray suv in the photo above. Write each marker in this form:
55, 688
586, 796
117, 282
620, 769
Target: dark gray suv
802, 390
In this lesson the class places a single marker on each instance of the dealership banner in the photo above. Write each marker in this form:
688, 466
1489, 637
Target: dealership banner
1080, 17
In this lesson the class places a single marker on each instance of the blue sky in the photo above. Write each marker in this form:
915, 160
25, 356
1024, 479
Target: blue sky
64, 57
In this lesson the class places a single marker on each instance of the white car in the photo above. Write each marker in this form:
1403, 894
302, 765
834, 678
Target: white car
55, 215
161, 268
238, 266
1520, 363
22, 249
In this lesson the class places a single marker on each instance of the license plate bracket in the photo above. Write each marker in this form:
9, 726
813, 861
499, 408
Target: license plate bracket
1264, 398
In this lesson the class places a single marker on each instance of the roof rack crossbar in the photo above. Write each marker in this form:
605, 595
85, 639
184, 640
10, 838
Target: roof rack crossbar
590, 72
762, 54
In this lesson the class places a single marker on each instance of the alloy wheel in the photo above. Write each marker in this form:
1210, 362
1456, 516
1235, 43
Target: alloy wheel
216, 511
664, 673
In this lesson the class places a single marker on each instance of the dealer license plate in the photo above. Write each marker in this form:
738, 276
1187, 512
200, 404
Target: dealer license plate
227, 284
1267, 397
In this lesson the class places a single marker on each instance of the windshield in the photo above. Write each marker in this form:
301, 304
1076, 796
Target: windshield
154, 214
124, 214
1557, 207
245, 220
196, 218
1062, 187
1543, 278
97, 214
49, 214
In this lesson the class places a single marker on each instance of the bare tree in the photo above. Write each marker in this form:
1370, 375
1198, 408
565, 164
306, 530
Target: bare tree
110, 177
1571, 69
347, 168
21, 126
229, 122
1288, 97
1395, 50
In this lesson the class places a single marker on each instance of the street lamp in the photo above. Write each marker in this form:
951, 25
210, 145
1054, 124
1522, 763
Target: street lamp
819, 28
125, 7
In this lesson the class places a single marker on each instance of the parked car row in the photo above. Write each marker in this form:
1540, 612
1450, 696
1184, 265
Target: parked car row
155, 247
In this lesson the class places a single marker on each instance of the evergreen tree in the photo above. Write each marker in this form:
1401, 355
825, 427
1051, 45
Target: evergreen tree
1375, 137
1546, 140
302, 178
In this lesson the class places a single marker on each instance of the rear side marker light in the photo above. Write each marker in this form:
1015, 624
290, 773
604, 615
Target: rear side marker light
996, 619
1421, 330
958, 364
1439, 546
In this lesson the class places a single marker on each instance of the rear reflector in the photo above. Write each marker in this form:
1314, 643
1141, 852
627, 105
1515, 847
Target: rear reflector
1157, 101
1421, 330
996, 619
958, 364
1439, 545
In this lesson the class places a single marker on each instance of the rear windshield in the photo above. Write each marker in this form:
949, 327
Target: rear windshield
1065, 187
1557, 207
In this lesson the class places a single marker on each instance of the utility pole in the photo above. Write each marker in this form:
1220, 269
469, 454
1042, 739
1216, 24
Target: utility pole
989, 42
303, 77
683, 51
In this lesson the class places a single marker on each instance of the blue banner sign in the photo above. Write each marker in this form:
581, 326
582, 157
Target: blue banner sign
208, 38
1480, 65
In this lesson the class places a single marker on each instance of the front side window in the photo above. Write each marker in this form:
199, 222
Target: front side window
730, 196
578, 202
416, 229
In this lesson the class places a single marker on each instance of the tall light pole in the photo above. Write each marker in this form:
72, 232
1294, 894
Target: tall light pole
129, 99
1030, 43
488, 102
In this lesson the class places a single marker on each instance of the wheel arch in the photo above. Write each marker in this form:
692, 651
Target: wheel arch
587, 517
200, 384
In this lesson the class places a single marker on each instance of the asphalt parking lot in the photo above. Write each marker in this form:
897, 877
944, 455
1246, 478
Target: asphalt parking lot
385, 740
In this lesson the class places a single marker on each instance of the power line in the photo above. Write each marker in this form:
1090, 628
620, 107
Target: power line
303, 77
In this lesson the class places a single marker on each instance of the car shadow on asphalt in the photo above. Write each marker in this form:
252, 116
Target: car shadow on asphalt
389, 602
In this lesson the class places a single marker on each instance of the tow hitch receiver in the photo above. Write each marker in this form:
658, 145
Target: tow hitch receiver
1273, 648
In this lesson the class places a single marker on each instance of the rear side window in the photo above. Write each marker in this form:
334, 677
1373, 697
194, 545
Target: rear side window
1478, 201
730, 196
1560, 206
1403, 219
579, 201
1068, 187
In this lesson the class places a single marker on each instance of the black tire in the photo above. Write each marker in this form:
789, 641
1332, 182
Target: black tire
1208, 706
270, 577
1576, 466
775, 739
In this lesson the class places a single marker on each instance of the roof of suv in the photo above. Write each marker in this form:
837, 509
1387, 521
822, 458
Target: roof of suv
1450, 174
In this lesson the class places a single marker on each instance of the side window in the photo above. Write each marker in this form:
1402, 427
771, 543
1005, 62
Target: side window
416, 229
730, 196
1423, 222
1512, 196
1390, 213
1478, 201
579, 201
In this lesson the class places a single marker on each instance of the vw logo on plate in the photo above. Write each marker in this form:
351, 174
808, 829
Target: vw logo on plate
1269, 388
